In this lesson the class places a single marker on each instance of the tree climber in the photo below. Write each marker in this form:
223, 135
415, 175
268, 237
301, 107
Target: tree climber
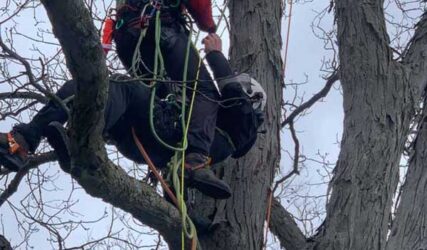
136, 43
239, 118
134, 17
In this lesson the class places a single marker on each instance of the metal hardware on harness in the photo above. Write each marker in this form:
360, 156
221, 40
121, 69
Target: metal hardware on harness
157, 4
145, 18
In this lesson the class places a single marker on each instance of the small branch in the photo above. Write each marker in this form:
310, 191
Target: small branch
322, 93
296, 158
32, 163
13, 186
17, 11
30, 75
23, 95
17, 112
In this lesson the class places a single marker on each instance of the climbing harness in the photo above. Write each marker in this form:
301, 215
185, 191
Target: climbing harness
149, 11
150, 15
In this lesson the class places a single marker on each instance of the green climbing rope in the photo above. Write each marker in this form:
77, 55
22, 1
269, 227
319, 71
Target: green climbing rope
177, 162
158, 59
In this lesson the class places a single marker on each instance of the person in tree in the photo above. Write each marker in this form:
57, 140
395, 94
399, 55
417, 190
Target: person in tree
135, 17
136, 43
127, 108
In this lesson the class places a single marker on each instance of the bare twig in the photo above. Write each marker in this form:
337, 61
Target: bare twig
30, 75
32, 163
296, 158
322, 93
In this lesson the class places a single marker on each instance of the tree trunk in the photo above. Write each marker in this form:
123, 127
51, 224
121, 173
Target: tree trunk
255, 48
378, 106
409, 227
409, 230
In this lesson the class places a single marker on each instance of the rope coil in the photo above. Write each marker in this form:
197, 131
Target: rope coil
178, 160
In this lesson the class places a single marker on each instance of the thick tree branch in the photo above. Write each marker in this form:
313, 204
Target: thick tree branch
284, 227
113, 185
91, 167
416, 57
408, 228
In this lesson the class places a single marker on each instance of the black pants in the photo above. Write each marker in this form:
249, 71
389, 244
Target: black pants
126, 108
173, 45
124, 99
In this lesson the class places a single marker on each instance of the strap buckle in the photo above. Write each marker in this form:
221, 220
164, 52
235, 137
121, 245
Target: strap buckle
206, 164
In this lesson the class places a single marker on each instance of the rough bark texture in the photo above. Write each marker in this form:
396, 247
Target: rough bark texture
378, 106
255, 48
409, 227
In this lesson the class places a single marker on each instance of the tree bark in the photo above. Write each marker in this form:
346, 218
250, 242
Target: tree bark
255, 48
409, 227
378, 107
283, 226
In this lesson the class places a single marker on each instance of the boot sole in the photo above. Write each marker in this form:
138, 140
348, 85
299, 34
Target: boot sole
11, 162
212, 190
58, 139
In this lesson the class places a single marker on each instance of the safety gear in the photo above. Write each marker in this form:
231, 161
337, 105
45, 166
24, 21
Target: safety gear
13, 150
199, 176
107, 34
251, 88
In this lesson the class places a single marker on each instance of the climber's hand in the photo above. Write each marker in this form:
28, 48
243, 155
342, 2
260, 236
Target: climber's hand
212, 42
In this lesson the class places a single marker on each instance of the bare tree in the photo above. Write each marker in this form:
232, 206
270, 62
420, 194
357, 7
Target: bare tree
382, 80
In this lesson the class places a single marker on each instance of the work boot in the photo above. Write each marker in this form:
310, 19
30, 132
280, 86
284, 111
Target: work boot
202, 178
13, 150
58, 140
